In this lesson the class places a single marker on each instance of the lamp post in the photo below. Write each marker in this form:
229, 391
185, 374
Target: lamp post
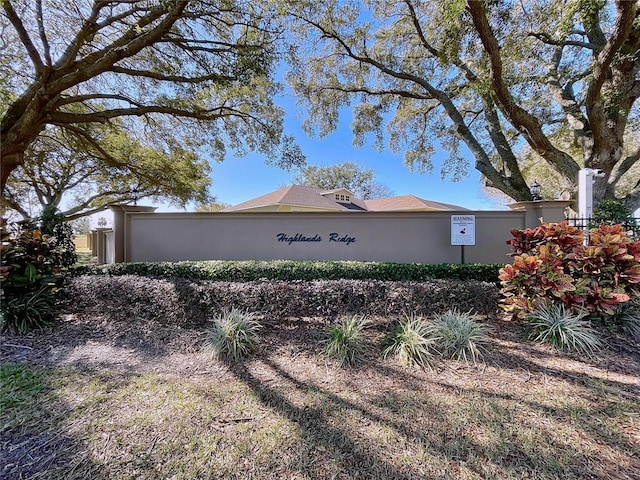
535, 191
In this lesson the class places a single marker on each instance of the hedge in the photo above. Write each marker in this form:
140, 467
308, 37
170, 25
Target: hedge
181, 301
290, 270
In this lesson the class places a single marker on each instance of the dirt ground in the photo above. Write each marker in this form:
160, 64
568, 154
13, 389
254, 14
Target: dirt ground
290, 354
97, 343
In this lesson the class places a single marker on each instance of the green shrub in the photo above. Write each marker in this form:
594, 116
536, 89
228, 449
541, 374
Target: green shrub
551, 264
293, 270
563, 329
53, 224
30, 265
346, 340
28, 258
29, 310
413, 342
234, 334
612, 212
460, 335
179, 301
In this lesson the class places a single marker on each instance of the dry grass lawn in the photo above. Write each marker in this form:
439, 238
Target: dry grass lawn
93, 399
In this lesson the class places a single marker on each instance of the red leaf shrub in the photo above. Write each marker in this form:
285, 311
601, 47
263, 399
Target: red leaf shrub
552, 264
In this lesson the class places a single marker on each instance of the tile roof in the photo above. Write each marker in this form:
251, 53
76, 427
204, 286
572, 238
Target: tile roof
408, 202
299, 195
311, 197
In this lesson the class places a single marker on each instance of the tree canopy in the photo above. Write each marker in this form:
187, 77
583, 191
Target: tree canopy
358, 180
194, 74
57, 172
480, 79
211, 207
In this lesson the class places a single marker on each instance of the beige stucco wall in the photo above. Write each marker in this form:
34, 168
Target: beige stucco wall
422, 237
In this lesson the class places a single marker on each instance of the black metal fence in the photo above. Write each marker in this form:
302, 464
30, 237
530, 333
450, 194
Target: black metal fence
631, 225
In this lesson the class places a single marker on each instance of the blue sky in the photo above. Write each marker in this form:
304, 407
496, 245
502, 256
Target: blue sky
239, 179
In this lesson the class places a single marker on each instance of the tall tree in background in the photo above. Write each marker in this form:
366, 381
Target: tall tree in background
193, 73
349, 175
214, 206
491, 76
59, 173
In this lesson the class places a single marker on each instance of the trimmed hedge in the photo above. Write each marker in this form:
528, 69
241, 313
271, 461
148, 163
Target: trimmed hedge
181, 301
290, 270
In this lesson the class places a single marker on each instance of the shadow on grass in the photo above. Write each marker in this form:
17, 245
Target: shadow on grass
320, 435
571, 368
469, 430
353, 454
34, 442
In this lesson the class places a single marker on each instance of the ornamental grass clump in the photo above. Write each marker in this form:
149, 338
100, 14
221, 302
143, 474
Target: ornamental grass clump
563, 329
627, 317
346, 340
413, 341
460, 336
28, 311
234, 334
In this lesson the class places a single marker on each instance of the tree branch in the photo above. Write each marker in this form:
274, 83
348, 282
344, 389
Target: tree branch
83, 135
71, 216
43, 35
79, 180
567, 101
24, 36
633, 198
626, 14
548, 40
416, 24
86, 32
512, 174
634, 92
86, 203
626, 165
128, 45
483, 162
194, 44
108, 21
378, 93
69, 100
66, 118
524, 122
172, 78
8, 201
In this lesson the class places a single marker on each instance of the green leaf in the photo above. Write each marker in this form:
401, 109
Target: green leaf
31, 273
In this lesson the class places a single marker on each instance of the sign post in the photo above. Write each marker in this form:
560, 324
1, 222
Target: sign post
463, 232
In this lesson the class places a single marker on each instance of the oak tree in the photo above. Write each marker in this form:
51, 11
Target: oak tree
198, 73
358, 180
59, 173
211, 207
480, 79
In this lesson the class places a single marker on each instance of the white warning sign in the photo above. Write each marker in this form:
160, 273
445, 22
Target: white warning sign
463, 229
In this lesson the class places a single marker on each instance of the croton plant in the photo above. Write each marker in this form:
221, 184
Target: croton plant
552, 263
28, 260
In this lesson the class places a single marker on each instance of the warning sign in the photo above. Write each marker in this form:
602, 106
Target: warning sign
463, 229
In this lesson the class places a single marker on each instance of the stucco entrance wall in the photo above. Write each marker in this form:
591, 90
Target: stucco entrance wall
404, 237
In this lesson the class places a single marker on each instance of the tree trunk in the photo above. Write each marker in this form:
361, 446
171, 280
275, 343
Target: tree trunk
10, 161
21, 124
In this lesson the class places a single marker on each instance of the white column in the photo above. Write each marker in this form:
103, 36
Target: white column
585, 190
